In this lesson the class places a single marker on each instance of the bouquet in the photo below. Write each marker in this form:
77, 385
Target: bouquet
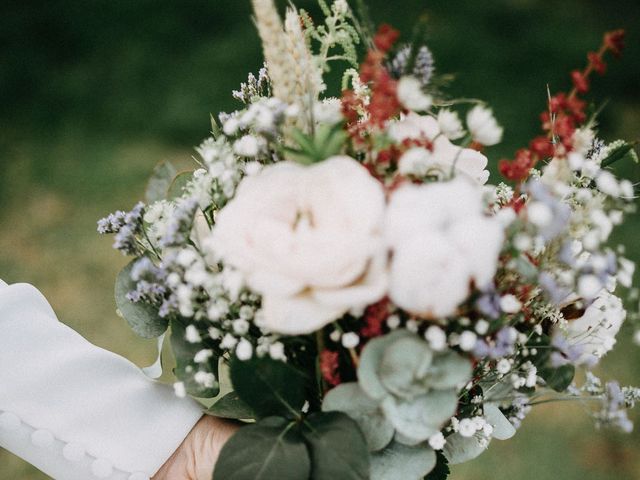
381, 310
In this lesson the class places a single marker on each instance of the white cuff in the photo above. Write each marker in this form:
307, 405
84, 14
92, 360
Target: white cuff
74, 410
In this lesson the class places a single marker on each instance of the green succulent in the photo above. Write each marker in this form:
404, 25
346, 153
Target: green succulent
405, 393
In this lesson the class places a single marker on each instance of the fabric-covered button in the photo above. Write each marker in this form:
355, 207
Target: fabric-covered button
101, 468
42, 438
139, 476
9, 421
73, 452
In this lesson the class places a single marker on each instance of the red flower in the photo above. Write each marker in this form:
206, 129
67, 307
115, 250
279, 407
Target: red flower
614, 41
329, 364
542, 147
597, 63
580, 81
385, 37
374, 317
519, 168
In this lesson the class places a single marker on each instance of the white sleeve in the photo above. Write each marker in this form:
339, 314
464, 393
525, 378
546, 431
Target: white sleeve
76, 411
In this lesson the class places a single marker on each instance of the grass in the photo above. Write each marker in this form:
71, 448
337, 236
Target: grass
94, 93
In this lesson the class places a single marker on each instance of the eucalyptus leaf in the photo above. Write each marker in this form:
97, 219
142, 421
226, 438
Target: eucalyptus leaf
502, 427
401, 462
271, 449
370, 360
160, 181
559, 378
621, 150
176, 188
350, 399
423, 416
338, 448
142, 317
186, 368
459, 449
402, 363
231, 406
448, 370
269, 387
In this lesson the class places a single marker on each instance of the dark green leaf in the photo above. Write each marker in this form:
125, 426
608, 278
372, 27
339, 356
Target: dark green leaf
176, 188
231, 406
338, 448
271, 449
441, 471
269, 387
559, 378
186, 368
142, 317
160, 181
623, 151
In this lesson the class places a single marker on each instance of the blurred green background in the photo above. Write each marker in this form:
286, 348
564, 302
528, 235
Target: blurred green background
94, 92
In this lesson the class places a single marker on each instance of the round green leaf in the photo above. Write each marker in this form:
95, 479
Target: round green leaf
401, 462
338, 448
142, 317
448, 370
459, 449
160, 181
422, 417
186, 368
402, 363
350, 399
502, 427
271, 449
370, 360
269, 387
231, 406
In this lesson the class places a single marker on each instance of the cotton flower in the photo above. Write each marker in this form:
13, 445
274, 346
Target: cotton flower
450, 124
308, 239
441, 242
444, 157
483, 126
411, 95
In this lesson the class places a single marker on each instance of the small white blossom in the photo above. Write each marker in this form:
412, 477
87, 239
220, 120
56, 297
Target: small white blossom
483, 126
437, 441
244, 350
247, 146
467, 428
350, 340
436, 337
203, 355
450, 124
467, 340
206, 379
276, 351
503, 366
510, 304
411, 96
482, 327
192, 335
393, 322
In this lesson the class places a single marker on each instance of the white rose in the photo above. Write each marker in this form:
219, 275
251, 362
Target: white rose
483, 126
595, 332
308, 239
444, 157
441, 242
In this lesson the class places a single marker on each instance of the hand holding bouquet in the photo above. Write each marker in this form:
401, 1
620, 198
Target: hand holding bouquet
382, 311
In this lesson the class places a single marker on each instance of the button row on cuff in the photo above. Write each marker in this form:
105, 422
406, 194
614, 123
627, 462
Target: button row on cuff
72, 452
